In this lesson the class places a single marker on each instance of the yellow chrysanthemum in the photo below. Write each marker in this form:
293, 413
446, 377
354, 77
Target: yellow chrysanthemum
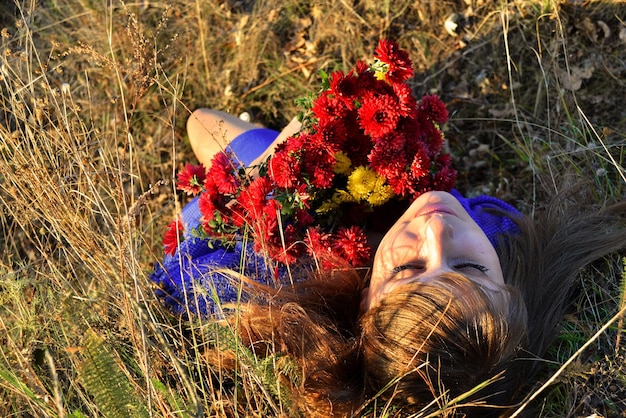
342, 196
339, 197
342, 164
381, 193
326, 207
361, 182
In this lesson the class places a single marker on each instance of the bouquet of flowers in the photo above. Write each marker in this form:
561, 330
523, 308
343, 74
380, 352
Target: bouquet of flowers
366, 140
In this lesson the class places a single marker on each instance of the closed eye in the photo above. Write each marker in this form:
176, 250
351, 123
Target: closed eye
403, 267
459, 266
471, 265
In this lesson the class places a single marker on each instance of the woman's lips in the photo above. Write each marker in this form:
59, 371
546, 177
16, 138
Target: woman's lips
435, 208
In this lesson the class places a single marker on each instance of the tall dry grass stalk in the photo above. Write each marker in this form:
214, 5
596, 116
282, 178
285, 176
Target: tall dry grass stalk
75, 243
94, 96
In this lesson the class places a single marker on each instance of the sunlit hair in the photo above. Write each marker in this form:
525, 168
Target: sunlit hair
426, 343
314, 323
436, 340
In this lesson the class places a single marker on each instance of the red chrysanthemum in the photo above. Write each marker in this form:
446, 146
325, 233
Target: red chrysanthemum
191, 179
319, 164
358, 145
360, 120
345, 87
433, 142
427, 136
351, 245
445, 177
278, 243
327, 108
400, 65
211, 202
318, 245
434, 109
303, 217
402, 184
208, 201
367, 80
295, 143
285, 169
410, 131
223, 173
332, 135
253, 199
266, 224
265, 230
316, 241
318, 159
407, 105
173, 235
421, 186
444, 160
379, 115
292, 249
387, 157
420, 166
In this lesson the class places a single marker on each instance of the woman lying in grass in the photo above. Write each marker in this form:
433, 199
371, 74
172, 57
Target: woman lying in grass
461, 291
453, 300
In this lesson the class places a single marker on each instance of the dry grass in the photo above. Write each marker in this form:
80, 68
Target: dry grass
94, 96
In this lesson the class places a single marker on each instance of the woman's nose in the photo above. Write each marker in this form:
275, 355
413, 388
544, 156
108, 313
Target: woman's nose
438, 233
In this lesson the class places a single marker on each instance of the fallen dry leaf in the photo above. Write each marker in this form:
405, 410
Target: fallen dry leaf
573, 80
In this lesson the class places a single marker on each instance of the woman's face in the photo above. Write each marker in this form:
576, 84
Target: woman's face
435, 235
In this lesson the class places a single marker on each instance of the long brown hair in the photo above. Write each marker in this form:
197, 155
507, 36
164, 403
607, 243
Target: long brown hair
437, 340
434, 345
429, 343
314, 322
